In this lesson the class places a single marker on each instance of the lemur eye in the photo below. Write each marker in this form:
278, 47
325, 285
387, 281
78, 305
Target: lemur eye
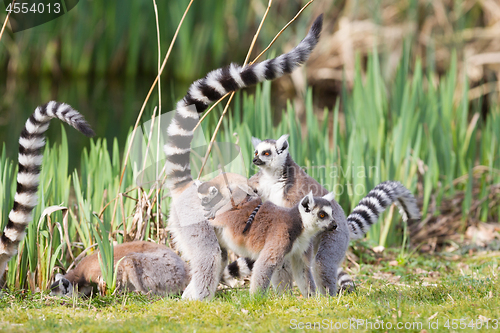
321, 215
266, 153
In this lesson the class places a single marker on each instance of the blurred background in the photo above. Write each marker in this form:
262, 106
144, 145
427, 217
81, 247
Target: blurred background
101, 56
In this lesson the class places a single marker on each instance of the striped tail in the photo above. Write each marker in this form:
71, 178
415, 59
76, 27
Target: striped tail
212, 87
239, 269
251, 218
344, 282
376, 201
242, 268
31, 143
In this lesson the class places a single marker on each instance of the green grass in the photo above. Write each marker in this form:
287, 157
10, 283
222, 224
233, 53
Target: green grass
437, 287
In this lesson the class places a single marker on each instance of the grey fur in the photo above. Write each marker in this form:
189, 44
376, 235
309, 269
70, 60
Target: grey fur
194, 236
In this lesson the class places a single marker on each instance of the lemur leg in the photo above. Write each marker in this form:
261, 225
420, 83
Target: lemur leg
204, 259
332, 246
302, 272
224, 262
263, 269
282, 278
196, 239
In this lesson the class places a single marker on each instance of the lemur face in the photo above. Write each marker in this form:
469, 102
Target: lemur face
317, 213
269, 153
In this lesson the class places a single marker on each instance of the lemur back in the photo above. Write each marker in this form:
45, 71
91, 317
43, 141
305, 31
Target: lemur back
276, 233
142, 266
191, 232
31, 144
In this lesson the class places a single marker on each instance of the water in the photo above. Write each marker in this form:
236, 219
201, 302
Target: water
111, 107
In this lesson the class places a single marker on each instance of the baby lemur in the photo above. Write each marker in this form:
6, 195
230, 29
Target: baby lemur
144, 267
275, 235
223, 193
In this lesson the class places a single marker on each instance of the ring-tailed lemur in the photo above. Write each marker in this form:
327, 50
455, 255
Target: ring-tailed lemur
191, 231
31, 143
282, 181
277, 234
228, 190
142, 266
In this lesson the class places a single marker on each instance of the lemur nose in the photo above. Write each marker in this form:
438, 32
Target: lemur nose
257, 161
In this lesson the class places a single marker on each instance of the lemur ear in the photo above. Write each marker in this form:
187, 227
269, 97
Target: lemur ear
197, 182
58, 277
308, 202
255, 142
330, 196
213, 190
282, 143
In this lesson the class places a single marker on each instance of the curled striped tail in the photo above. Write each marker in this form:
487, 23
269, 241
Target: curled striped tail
31, 143
376, 201
212, 87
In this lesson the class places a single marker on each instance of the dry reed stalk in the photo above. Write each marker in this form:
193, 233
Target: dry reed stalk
127, 155
253, 61
232, 94
152, 88
159, 115
6, 20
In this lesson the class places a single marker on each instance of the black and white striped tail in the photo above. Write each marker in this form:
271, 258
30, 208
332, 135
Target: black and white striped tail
376, 201
251, 218
31, 143
239, 269
212, 87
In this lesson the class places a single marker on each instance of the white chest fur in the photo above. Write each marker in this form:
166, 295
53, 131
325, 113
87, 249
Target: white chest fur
302, 243
271, 189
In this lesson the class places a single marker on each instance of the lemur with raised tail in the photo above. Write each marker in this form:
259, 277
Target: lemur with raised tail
191, 231
276, 234
281, 181
144, 267
31, 144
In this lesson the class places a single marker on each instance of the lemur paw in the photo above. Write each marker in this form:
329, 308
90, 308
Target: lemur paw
210, 214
